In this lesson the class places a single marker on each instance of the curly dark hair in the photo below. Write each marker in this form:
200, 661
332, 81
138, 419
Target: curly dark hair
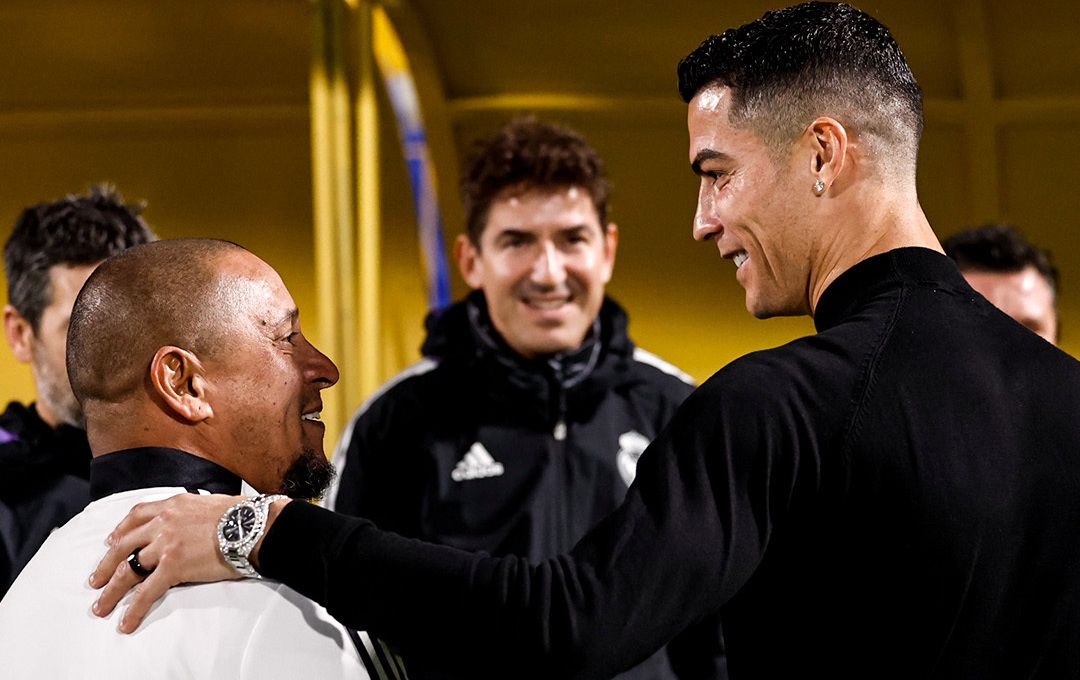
815, 59
999, 248
527, 154
75, 230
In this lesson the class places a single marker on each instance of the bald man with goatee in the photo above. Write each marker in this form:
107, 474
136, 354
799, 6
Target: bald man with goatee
189, 362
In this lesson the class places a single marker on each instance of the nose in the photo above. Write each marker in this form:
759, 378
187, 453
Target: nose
706, 223
550, 265
319, 369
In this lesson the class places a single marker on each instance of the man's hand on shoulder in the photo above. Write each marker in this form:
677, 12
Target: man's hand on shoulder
177, 542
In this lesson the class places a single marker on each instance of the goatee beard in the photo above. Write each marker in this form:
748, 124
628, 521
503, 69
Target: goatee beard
308, 477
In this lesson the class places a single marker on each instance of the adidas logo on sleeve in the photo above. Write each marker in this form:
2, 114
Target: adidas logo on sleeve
476, 464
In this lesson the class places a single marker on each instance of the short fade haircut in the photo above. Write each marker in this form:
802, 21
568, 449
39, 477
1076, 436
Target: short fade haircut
999, 248
525, 155
147, 297
76, 230
815, 59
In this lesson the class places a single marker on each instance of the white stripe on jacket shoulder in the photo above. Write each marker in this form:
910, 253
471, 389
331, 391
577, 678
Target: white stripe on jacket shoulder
419, 368
648, 358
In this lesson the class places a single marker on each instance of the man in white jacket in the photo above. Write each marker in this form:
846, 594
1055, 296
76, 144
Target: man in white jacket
189, 362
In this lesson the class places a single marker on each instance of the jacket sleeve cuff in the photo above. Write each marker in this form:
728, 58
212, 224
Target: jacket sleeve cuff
299, 545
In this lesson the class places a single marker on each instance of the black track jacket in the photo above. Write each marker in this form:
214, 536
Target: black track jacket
478, 448
44, 482
896, 496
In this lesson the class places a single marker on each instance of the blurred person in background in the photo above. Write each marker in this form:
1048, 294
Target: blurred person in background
522, 426
1016, 276
44, 456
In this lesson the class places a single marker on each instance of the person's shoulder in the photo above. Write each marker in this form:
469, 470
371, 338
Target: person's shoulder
15, 420
293, 636
796, 372
408, 385
653, 368
398, 407
14, 444
35, 459
649, 382
13, 408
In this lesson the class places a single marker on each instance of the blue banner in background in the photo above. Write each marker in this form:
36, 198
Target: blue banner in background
397, 77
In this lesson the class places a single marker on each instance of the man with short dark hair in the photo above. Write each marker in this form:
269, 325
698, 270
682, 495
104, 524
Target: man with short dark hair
522, 426
895, 496
44, 457
195, 376
1016, 276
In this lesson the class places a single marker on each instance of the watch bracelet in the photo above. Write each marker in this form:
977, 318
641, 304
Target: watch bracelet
238, 559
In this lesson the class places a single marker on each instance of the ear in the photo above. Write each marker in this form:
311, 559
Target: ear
20, 334
468, 258
180, 380
611, 244
827, 140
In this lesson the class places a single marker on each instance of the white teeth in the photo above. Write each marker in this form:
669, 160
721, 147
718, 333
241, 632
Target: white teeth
311, 416
546, 304
740, 258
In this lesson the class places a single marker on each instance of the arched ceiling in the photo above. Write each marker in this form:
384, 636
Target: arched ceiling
1001, 80
82, 55
982, 63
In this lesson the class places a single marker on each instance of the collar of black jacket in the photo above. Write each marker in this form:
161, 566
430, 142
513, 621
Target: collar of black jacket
566, 368
456, 338
30, 450
152, 466
464, 331
903, 266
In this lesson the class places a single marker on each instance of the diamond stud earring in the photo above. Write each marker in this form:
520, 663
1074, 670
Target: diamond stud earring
819, 187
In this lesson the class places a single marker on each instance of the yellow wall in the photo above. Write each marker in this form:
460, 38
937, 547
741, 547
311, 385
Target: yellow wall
217, 142
245, 181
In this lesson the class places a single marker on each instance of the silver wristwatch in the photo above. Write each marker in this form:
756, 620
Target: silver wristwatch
240, 529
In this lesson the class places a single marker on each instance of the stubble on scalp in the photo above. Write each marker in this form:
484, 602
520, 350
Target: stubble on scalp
150, 296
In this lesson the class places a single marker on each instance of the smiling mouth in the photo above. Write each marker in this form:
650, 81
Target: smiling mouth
547, 304
740, 258
313, 416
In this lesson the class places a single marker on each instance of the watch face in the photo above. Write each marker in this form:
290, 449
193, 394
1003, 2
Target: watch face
238, 524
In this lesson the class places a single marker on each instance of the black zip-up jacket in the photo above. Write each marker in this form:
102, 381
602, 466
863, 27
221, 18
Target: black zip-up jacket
44, 482
478, 448
896, 496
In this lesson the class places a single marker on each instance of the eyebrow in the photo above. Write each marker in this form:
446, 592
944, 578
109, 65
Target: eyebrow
707, 155
289, 318
511, 233
575, 229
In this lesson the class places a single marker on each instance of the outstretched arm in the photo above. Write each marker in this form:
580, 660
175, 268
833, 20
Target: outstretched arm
693, 528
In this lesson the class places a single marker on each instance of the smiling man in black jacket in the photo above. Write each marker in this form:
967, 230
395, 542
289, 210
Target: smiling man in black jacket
522, 426
895, 496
